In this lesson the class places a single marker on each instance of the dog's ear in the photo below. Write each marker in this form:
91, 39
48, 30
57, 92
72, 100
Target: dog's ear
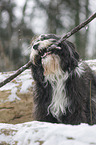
69, 56
74, 56
74, 59
71, 45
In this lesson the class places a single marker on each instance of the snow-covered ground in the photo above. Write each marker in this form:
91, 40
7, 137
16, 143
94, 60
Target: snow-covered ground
41, 133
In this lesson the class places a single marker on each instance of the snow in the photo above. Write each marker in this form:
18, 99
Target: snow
26, 82
24, 77
41, 133
23, 81
13, 95
92, 64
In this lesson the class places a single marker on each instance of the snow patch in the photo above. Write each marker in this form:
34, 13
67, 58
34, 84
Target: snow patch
22, 84
13, 95
25, 85
92, 64
34, 133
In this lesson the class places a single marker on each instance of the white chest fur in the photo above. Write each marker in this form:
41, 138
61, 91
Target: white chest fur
59, 100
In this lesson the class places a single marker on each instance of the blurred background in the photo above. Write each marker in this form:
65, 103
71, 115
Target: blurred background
23, 20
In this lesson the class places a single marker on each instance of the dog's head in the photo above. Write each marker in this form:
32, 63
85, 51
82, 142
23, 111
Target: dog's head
62, 56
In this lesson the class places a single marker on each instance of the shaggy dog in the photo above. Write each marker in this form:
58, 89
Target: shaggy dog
65, 87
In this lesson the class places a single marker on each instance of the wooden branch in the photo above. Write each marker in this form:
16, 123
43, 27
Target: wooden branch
76, 29
26, 66
19, 71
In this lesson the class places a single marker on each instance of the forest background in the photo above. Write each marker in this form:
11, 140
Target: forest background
23, 20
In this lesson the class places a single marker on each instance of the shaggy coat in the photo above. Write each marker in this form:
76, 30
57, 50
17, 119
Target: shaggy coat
65, 87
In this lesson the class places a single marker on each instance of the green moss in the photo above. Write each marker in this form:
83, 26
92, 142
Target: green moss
70, 138
7, 131
4, 143
40, 142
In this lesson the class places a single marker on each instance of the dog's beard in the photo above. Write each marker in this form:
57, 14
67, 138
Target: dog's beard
55, 75
51, 64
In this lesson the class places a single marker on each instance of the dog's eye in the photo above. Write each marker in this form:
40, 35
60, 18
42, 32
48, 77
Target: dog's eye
36, 46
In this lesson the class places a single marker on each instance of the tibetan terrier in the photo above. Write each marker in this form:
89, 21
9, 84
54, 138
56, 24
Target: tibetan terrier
65, 87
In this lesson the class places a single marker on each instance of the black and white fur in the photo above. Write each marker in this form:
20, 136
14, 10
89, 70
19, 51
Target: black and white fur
62, 83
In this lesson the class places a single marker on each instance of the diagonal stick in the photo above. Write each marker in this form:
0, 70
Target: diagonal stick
15, 74
26, 66
76, 29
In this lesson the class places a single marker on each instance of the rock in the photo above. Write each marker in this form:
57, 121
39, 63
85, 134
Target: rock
16, 97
